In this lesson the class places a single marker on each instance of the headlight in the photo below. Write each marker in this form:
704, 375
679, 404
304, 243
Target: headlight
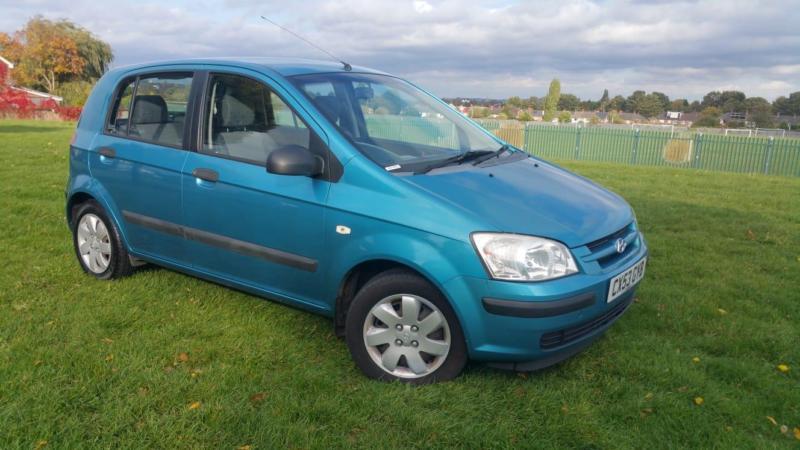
523, 258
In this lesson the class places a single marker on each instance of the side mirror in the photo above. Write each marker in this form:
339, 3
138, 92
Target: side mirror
294, 160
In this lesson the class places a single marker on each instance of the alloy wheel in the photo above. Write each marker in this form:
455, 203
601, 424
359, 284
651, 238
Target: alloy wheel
407, 336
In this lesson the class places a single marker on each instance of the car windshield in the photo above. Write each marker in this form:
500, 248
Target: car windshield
395, 124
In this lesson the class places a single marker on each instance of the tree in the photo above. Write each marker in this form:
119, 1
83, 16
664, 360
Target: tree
565, 117
96, 54
709, 117
536, 103
515, 102
568, 102
551, 102
633, 102
616, 103
759, 111
679, 104
727, 101
651, 105
49, 53
788, 106
524, 116
662, 99
603, 100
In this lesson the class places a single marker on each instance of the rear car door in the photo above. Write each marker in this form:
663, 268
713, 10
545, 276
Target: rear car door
139, 156
242, 223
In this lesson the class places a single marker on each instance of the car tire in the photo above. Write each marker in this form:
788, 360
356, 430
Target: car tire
97, 243
400, 327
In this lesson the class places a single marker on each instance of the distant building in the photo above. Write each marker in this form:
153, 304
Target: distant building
681, 118
37, 97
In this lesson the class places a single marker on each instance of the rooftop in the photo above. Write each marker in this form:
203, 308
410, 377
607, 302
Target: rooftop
283, 66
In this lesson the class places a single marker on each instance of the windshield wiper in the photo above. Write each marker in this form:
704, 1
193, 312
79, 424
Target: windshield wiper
494, 154
457, 159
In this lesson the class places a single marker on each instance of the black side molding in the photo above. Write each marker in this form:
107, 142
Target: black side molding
538, 309
224, 242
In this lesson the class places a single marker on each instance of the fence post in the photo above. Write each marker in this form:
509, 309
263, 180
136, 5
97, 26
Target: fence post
525, 130
635, 147
698, 141
768, 154
578, 144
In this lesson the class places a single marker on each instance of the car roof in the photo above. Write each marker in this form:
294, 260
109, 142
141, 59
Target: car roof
283, 66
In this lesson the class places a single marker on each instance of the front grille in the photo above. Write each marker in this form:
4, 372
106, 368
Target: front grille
603, 251
562, 337
610, 239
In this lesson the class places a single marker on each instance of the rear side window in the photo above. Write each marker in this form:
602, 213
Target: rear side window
118, 121
153, 108
245, 120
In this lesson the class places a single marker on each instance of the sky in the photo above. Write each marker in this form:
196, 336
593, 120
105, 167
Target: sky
489, 48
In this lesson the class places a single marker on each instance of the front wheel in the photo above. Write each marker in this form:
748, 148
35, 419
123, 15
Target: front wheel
400, 327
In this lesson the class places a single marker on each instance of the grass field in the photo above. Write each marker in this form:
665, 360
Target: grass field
160, 359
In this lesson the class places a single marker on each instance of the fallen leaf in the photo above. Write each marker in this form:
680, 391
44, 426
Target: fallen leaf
196, 373
683, 388
648, 396
772, 419
258, 397
722, 311
784, 429
698, 401
751, 235
40, 444
194, 405
244, 447
646, 412
183, 357
783, 368
796, 433
109, 357
107, 340
522, 375
695, 360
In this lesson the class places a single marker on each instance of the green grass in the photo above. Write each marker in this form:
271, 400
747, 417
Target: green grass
85, 363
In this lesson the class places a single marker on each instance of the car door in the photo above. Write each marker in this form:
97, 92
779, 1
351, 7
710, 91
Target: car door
243, 224
139, 156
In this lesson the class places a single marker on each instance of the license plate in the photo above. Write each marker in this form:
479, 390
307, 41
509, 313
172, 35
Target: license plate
626, 280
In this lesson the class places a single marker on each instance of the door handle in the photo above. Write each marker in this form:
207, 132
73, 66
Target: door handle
206, 174
108, 152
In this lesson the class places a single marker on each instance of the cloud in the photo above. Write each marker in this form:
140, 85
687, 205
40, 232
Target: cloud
476, 48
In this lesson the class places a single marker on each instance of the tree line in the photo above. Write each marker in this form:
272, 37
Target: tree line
57, 57
714, 104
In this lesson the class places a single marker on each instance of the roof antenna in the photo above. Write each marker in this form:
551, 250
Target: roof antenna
347, 66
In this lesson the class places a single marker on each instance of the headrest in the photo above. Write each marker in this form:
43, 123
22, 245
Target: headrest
329, 105
149, 109
235, 113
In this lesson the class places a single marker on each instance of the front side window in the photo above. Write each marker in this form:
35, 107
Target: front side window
245, 120
393, 123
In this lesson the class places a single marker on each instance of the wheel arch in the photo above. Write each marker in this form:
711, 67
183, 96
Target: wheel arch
357, 276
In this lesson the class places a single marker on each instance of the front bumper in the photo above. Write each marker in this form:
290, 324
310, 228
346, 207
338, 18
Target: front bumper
527, 326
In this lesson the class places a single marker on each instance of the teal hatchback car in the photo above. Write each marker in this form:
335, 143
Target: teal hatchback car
357, 195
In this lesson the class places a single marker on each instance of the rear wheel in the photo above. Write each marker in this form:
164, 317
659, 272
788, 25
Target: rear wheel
97, 243
400, 327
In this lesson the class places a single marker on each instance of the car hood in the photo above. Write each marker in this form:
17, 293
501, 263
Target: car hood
530, 197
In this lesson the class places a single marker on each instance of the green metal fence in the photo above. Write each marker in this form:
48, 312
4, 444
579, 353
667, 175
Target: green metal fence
765, 155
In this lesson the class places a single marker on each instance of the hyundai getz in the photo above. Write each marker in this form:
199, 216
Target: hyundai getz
354, 194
